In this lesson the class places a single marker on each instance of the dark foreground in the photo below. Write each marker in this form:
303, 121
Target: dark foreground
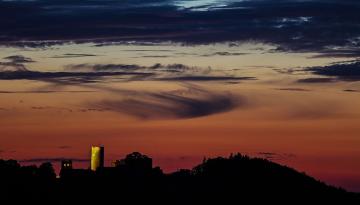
234, 180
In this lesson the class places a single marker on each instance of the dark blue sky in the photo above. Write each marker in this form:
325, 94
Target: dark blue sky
292, 25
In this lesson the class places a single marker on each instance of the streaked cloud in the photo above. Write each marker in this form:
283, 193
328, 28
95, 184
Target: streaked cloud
207, 78
340, 71
181, 104
92, 73
351, 90
45, 91
317, 80
294, 89
84, 77
59, 159
103, 67
11, 66
15, 63
19, 59
74, 55
64, 147
225, 53
276, 156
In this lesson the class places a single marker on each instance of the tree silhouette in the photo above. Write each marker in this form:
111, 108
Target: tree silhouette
237, 179
46, 171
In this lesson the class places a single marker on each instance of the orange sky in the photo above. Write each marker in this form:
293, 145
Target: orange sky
311, 127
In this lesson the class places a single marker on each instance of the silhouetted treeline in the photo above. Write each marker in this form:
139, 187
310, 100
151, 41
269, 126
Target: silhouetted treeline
26, 183
234, 180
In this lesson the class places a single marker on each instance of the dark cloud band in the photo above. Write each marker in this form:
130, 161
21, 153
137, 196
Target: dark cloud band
189, 103
312, 25
348, 71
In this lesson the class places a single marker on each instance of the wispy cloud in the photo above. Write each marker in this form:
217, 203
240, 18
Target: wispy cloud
73, 55
83, 77
19, 59
64, 147
207, 78
317, 80
46, 91
103, 67
225, 53
15, 63
351, 90
170, 72
11, 66
293, 89
189, 103
92, 73
56, 159
276, 156
341, 71
132, 67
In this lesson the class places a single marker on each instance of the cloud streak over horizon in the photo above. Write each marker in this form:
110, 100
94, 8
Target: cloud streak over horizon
59, 159
91, 73
181, 104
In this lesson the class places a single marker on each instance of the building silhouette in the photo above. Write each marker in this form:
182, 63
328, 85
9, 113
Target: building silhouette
97, 157
66, 164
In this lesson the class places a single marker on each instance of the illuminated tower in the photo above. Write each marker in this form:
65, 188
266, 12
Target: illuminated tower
97, 157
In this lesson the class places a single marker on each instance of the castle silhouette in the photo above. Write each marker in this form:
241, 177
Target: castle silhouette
133, 164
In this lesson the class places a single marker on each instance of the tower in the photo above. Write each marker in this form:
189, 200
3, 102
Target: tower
97, 157
66, 168
66, 164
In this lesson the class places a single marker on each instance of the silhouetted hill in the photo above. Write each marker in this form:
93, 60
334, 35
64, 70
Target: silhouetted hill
234, 180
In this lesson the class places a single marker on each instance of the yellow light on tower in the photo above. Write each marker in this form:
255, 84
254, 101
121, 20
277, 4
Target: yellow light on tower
97, 157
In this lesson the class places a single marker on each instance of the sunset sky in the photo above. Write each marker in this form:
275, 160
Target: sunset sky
180, 80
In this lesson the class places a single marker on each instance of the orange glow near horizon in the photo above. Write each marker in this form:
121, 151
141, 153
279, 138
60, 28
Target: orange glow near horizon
311, 127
